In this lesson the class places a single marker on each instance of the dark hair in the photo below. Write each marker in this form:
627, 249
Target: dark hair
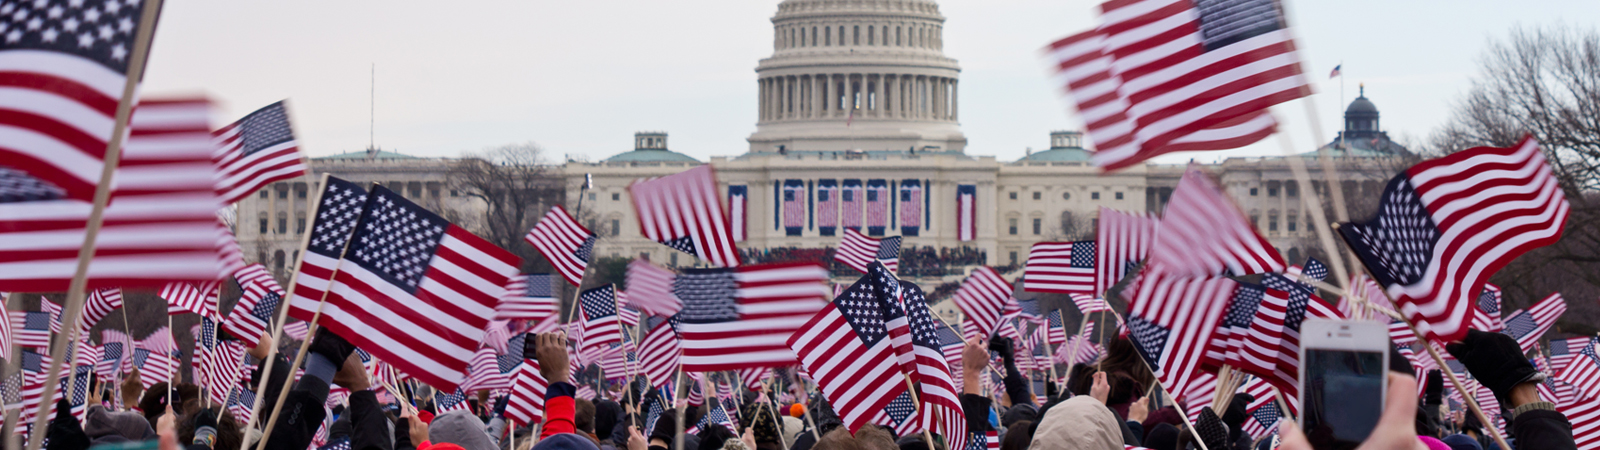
230, 432
1080, 379
154, 402
1018, 436
1123, 359
583, 415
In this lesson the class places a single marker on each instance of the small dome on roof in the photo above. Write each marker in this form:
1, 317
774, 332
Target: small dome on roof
1362, 106
651, 146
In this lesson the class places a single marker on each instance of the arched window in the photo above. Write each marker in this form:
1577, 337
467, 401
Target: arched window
277, 260
813, 36
857, 35
899, 36
841, 36
1294, 255
827, 37
870, 36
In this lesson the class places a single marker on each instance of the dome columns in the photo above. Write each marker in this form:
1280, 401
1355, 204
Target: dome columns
870, 95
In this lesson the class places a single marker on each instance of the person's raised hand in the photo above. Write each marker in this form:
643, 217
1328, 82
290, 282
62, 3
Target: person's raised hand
1101, 389
749, 438
1497, 361
352, 375
636, 440
263, 347
417, 429
1396, 429
553, 357
1139, 410
974, 356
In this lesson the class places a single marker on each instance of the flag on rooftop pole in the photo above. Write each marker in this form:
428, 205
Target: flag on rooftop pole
684, 211
1445, 225
1061, 267
564, 242
1158, 76
858, 251
1204, 234
734, 318
412, 289
256, 151
1527, 326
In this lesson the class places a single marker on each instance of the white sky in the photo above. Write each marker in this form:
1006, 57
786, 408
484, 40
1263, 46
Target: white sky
580, 77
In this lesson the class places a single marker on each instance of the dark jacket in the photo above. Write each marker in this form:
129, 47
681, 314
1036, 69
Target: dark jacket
1544, 429
369, 427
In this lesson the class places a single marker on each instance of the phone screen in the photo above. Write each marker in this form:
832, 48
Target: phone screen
1343, 395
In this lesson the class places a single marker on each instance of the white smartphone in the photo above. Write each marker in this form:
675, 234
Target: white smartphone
1343, 378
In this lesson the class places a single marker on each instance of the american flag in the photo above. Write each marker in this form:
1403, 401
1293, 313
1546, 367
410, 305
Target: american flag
484, 372
794, 204
1486, 316
1263, 421
1171, 318
1078, 350
600, 328
1227, 343
1187, 76
1055, 331
1583, 372
985, 440
32, 368
1562, 351
564, 242
30, 328
154, 367
445, 402
528, 297
950, 344
99, 304
849, 348
1203, 234
982, 297
659, 353
1061, 267
1089, 304
1313, 271
1527, 326
1258, 389
742, 317
877, 204
653, 410
55, 314
297, 330
1401, 334
412, 289
50, 174
6, 330
650, 289
198, 298
850, 204
941, 400
1445, 225
827, 204
754, 378
240, 400
966, 212
684, 212
716, 416
221, 362
858, 251
159, 341
258, 305
1123, 239
526, 404
621, 360
910, 204
628, 316
496, 335
256, 151
110, 363
1585, 418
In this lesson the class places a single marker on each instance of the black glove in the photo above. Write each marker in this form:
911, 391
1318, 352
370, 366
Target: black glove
1434, 394
332, 346
1211, 430
1496, 361
205, 428
1003, 347
1236, 414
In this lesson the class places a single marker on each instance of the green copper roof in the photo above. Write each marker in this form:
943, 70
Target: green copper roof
363, 155
651, 155
1058, 155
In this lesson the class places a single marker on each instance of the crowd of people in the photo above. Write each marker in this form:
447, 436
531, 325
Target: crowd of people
924, 261
1104, 405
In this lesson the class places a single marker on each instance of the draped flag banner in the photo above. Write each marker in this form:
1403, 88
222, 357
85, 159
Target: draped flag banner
850, 197
966, 212
911, 198
877, 203
794, 207
828, 207
739, 211
1445, 225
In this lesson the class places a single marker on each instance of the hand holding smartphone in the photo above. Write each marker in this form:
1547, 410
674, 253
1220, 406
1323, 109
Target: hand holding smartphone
1343, 379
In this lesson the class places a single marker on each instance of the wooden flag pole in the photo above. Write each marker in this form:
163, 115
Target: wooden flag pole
13, 368
1283, 405
1073, 353
576, 212
78, 288
677, 439
283, 317
912, 389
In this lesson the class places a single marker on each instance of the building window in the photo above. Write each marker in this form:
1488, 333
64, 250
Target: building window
1094, 224
1013, 196
1013, 258
616, 196
870, 36
263, 193
672, 259
897, 34
300, 193
283, 225
857, 34
283, 194
1094, 196
433, 193
1272, 192
1119, 196
1038, 195
1036, 223
300, 225
616, 227
263, 224
455, 193
1255, 221
1066, 196
591, 196
1272, 223
1013, 223
1252, 192
1290, 223
277, 259
1291, 189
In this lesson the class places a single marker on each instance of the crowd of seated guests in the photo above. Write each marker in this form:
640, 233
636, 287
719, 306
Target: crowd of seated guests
922, 261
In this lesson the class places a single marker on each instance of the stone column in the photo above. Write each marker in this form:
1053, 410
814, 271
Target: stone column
827, 96
955, 100
814, 110
761, 98
883, 97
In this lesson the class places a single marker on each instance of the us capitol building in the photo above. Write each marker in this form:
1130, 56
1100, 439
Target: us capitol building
859, 125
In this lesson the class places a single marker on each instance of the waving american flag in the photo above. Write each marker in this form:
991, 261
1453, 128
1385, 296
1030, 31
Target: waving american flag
256, 151
858, 251
564, 242
848, 348
1061, 267
684, 211
742, 317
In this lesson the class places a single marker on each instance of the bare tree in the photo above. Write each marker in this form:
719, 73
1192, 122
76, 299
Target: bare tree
515, 190
1544, 82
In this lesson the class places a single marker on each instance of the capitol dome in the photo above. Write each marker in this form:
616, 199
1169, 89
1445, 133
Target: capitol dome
858, 75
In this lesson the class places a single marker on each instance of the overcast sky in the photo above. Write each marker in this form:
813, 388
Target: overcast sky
580, 77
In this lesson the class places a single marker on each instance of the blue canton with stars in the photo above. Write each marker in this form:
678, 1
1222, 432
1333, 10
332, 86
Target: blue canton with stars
1397, 245
266, 307
1267, 414
515, 347
1149, 338
341, 206
889, 248
599, 303
1315, 269
1083, 254
111, 351
101, 31
1488, 302
446, 401
1300, 298
1242, 309
264, 128
538, 285
17, 186
586, 250
36, 321
707, 295
924, 332
396, 239
1520, 325
901, 409
684, 244
863, 306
